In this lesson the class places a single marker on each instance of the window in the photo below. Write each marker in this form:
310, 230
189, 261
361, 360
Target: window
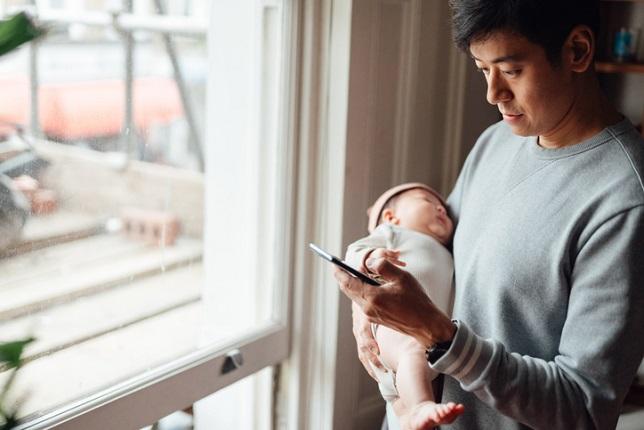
154, 254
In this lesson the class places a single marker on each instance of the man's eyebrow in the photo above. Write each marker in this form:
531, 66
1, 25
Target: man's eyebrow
514, 58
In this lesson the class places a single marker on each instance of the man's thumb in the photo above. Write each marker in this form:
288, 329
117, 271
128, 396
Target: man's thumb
383, 267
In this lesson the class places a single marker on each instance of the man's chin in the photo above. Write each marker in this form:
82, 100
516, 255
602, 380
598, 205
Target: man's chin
521, 131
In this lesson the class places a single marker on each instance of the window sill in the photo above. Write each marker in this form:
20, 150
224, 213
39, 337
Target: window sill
103, 307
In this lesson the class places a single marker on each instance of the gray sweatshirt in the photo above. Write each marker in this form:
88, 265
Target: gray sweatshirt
549, 269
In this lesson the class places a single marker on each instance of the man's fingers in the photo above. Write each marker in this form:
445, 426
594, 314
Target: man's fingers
352, 287
367, 367
369, 348
345, 281
375, 360
369, 361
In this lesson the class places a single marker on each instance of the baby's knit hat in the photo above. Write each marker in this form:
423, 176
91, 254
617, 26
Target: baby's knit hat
375, 211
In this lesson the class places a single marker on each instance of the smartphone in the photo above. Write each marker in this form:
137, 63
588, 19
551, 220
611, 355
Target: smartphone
344, 266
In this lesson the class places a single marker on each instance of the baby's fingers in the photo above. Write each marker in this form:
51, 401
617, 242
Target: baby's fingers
393, 256
369, 360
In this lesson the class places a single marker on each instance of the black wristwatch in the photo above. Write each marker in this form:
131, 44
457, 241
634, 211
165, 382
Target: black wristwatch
435, 352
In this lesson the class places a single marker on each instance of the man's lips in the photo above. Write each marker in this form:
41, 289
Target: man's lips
511, 117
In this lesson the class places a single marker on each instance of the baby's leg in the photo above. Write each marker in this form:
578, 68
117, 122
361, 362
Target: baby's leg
406, 357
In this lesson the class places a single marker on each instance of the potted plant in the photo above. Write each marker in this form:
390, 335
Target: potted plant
17, 30
10, 361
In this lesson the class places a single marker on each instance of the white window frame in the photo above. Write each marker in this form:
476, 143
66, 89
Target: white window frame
143, 400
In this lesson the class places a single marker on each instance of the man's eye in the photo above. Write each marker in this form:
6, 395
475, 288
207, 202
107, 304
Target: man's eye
482, 70
512, 73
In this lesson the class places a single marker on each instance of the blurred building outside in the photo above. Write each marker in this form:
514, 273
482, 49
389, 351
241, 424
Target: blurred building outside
81, 72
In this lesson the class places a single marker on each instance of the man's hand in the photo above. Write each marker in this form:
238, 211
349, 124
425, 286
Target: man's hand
368, 350
400, 303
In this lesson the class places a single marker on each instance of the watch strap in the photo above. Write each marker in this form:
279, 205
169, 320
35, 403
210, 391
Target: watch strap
436, 351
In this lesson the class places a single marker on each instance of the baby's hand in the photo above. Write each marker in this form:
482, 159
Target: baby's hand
391, 255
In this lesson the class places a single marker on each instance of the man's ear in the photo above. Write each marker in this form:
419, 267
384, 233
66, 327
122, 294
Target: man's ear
389, 216
579, 49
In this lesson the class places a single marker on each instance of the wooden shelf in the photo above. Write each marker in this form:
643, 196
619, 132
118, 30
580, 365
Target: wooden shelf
610, 67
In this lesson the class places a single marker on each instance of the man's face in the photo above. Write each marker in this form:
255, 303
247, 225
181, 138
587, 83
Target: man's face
422, 211
533, 95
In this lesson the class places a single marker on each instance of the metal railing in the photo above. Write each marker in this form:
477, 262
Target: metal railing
125, 23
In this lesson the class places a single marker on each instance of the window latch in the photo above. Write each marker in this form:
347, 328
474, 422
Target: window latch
234, 360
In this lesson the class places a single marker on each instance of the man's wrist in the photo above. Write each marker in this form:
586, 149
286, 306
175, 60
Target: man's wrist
450, 333
441, 332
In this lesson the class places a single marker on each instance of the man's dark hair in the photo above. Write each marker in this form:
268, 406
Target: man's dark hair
544, 22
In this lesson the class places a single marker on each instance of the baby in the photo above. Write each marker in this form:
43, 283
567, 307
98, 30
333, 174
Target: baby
409, 226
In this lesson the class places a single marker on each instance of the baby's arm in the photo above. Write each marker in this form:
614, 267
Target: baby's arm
359, 251
373, 245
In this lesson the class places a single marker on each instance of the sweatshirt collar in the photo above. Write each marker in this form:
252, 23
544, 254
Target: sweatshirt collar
600, 138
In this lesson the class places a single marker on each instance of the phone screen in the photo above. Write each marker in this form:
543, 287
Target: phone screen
344, 266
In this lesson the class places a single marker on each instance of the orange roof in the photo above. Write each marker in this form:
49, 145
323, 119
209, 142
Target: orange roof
77, 110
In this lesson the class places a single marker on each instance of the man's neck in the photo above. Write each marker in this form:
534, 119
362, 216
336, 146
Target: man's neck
589, 113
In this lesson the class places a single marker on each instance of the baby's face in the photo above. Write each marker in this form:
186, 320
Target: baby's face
422, 211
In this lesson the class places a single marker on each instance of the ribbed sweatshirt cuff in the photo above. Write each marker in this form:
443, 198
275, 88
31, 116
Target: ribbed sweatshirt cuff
467, 358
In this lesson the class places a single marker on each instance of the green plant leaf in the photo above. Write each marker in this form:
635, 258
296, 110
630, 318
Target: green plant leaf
10, 352
17, 30
10, 423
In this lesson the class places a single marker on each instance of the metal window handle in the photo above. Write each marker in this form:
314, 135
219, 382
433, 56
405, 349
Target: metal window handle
234, 360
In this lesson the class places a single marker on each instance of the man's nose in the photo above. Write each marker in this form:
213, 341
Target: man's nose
497, 90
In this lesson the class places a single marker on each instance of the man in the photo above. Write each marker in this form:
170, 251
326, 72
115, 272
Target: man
549, 240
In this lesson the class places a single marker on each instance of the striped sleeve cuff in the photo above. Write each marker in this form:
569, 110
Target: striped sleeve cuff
467, 358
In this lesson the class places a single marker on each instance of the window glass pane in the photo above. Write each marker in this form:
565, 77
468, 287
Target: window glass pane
108, 166
221, 410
